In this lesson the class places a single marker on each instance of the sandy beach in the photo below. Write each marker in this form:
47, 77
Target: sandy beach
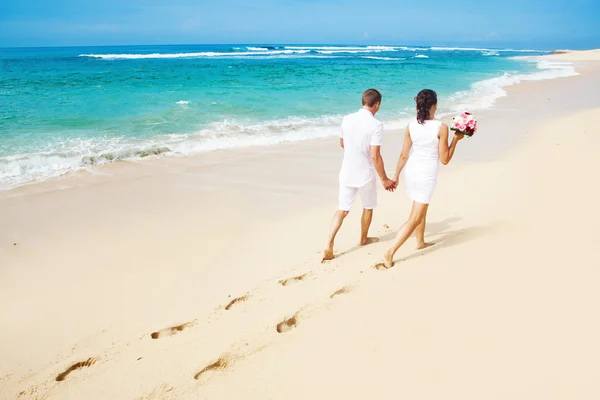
200, 277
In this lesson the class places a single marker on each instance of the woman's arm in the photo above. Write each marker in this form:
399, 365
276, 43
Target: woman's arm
446, 152
404, 154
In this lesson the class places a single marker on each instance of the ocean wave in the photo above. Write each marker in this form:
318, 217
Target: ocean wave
326, 48
345, 49
483, 94
352, 51
269, 51
80, 154
457, 49
384, 58
485, 50
237, 52
412, 48
421, 56
525, 51
382, 48
207, 54
21, 169
490, 53
183, 102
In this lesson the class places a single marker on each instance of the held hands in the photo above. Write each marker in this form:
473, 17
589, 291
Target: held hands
390, 184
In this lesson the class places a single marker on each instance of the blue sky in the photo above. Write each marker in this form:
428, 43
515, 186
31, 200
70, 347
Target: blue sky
544, 24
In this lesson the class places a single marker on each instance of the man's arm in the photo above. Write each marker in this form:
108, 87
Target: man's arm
379, 167
376, 142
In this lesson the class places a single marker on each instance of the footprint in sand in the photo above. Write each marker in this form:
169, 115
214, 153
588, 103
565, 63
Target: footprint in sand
287, 324
171, 331
235, 301
380, 267
291, 281
222, 363
343, 290
82, 364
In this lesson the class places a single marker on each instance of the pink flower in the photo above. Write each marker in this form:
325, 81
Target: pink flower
465, 122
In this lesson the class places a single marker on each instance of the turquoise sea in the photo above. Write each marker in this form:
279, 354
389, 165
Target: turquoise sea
64, 109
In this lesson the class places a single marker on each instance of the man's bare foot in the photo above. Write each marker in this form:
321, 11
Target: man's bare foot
424, 245
369, 240
327, 255
388, 261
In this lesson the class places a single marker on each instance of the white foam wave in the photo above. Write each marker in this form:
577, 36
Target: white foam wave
457, 49
421, 56
326, 48
343, 49
484, 94
525, 51
412, 48
183, 102
384, 58
74, 155
232, 133
189, 55
71, 155
485, 50
349, 51
297, 50
381, 48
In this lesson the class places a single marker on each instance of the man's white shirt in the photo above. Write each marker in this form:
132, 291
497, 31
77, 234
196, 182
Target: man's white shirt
360, 131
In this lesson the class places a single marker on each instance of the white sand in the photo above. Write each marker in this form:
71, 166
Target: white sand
580, 55
503, 307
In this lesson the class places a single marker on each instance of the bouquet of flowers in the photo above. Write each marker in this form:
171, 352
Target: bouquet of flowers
464, 123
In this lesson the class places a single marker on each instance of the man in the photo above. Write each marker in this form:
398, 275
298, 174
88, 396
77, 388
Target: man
361, 138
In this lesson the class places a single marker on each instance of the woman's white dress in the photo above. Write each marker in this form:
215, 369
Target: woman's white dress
421, 170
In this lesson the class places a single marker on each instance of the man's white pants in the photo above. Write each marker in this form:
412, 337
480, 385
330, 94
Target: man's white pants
368, 196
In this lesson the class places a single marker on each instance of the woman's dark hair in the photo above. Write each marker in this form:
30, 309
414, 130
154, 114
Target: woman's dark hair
425, 100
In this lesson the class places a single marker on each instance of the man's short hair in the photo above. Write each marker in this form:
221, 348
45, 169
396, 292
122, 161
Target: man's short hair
371, 97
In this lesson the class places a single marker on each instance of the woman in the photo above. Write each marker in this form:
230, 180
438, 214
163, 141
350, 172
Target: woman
425, 145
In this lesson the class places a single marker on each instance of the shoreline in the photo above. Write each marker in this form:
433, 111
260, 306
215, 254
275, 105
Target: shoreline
143, 167
227, 247
488, 91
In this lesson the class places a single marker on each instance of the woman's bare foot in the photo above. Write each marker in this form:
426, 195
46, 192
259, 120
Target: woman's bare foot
369, 240
424, 245
388, 261
328, 255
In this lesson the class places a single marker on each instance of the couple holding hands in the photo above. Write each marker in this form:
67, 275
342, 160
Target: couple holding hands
425, 146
